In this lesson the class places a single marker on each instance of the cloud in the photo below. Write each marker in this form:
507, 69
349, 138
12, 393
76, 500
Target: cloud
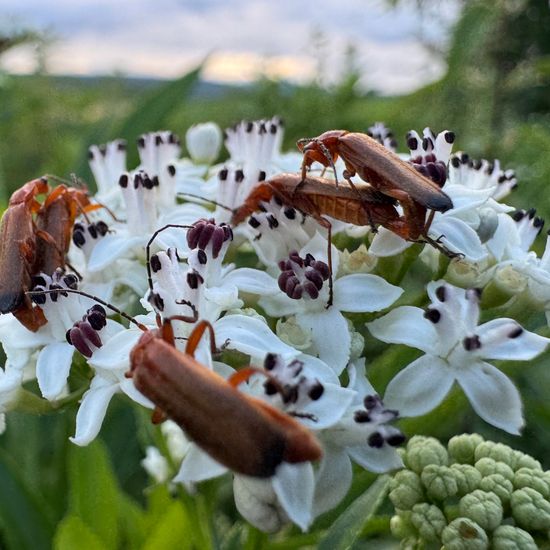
163, 38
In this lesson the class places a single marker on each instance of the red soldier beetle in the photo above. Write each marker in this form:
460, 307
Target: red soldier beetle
318, 197
244, 433
386, 172
34, 238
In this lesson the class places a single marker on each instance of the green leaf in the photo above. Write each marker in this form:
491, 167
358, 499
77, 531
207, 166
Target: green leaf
349, 525
93, 491
171, 531
74, 533
132, 523
23, 518
149, 115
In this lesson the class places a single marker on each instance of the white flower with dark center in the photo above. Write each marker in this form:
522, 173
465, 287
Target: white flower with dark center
64, 312
143, 216
306, 389
364, 435
383, 135
455, 348
206, 285
107, 163
456, 228
482, 174
158, 152
304, 285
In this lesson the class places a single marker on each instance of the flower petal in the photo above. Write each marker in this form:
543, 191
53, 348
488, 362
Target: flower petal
92, 410
115, 353
500, 340
329, 408
457, 236
379, 461
251, 336
294, 485
420, 387
386, 243
330, 336
110, 248
53, 367
252, 280
332, 479
198, 466
362, 292
406, 325
493, 396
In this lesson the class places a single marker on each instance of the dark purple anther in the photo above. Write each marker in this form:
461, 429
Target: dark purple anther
204, 232
299, 275
77, 339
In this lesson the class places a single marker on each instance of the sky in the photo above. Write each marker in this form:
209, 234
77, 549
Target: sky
240, 39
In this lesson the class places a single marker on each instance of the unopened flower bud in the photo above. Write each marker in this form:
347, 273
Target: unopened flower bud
488, 466
257, 502
467, 478
463, 273
526, 477
203, 141
496, 451
358, 261
530, 509
176, 441
401, 526
509, 280
462, 447
429, 520
422, 451
499, 485
464, 534
357, 344
291, 333
406, 490
488, 223
439, 481
508, 537
526, 461
482, 507
155, 465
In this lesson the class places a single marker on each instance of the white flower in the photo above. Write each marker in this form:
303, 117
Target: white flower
203, 141
455, 347
363, 435
304, 284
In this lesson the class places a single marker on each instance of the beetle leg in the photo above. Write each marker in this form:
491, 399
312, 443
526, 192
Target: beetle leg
366, 208
196, 335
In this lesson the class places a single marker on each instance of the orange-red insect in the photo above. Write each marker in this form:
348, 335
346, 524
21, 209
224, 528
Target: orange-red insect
243, 433
385, 171
318, 197
34, 238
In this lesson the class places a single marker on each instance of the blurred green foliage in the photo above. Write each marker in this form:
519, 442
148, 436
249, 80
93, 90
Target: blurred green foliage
495, 96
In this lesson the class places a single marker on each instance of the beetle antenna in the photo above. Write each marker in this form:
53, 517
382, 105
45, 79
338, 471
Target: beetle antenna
215, 203
148, 249
328, 156
32, 293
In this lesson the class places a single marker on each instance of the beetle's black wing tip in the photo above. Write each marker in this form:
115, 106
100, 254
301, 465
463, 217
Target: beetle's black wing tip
10, 301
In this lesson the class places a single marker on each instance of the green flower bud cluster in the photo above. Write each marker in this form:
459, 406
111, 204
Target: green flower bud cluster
473, 494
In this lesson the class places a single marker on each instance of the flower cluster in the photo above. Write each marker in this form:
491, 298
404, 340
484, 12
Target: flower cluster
472, 494
302, 311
